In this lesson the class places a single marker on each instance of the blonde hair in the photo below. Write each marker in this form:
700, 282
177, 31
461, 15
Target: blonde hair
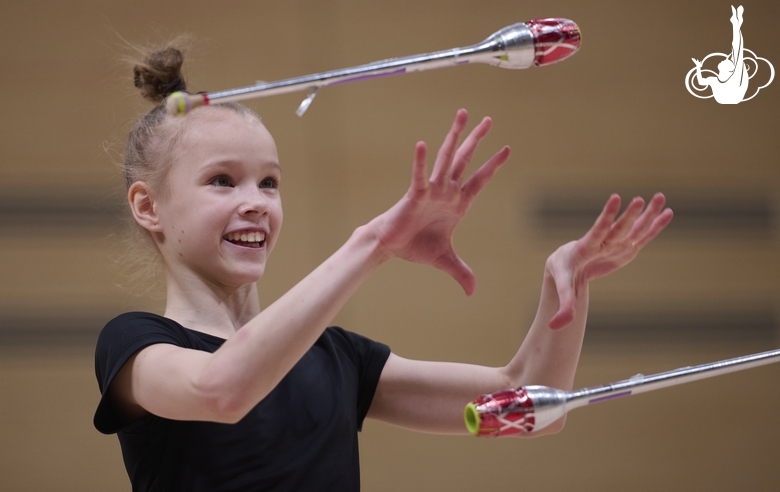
151, 145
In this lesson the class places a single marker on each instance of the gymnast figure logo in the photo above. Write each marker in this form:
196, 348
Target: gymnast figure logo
730, 84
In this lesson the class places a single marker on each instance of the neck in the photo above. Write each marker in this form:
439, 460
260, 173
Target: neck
214, 309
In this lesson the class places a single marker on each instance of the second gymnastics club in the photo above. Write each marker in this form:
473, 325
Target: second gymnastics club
526, 409
522, 45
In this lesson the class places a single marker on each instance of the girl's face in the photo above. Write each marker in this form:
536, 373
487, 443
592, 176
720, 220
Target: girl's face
222, 212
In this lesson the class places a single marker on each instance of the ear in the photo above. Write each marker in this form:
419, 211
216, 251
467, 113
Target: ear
142, 203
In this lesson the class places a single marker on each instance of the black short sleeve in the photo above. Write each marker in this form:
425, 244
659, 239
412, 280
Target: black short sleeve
122, 337
369, 357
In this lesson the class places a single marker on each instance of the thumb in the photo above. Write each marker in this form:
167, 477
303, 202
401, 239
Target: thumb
563, 317
459, 270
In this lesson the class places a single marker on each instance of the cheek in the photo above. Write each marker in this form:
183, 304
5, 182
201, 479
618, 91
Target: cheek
180, 237
277, 217
188, 229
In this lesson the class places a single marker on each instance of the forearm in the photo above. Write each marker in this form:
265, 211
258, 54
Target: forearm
253, 361
550, 357
429, 396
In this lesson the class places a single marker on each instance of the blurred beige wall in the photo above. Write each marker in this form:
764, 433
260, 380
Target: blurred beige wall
614, 118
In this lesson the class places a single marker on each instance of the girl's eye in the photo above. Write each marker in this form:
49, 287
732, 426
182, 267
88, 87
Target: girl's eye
269, 182
222, 181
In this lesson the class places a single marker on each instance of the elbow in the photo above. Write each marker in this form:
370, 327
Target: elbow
221, 403
224, 408
229, 413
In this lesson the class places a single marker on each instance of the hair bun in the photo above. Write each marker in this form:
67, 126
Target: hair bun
159, 75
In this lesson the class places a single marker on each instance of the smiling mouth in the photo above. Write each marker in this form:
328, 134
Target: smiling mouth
246, 239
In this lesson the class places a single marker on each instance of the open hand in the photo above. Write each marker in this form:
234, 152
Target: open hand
608, 246
420, 226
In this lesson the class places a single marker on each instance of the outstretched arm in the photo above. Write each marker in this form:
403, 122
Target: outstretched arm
182, 384
430, 396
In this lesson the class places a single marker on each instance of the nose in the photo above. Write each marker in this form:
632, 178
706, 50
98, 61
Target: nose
253, 202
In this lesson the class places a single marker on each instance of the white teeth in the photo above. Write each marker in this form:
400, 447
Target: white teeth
247, 237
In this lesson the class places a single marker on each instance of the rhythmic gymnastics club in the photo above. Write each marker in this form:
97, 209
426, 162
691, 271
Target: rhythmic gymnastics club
534, 43
531, 408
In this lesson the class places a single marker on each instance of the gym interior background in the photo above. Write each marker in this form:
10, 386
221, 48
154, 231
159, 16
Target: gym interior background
614, 118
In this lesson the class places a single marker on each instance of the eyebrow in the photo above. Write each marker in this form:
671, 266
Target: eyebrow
215, 165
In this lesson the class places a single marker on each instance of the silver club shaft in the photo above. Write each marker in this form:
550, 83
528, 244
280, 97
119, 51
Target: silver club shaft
641, 384
522, 45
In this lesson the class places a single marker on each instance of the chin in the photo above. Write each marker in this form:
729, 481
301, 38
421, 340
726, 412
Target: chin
248, 276
237, 275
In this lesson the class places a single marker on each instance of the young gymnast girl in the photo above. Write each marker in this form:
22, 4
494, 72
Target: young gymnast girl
219, 394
